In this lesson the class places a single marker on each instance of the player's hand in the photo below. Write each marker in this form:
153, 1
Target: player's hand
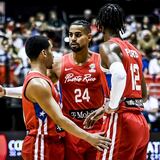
93, 117
99, 141
109, 110
2, 91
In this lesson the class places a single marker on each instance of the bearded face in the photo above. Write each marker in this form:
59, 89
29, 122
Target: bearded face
75, 47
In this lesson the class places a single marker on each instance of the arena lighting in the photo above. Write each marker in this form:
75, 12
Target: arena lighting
66, 39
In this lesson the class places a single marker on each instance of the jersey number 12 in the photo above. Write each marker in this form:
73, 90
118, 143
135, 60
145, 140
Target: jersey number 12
135, 77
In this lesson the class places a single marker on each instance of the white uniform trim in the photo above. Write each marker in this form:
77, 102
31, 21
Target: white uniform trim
45, 126
36, 148
39, 138
113, 137
113, 122
108, 135
42, 148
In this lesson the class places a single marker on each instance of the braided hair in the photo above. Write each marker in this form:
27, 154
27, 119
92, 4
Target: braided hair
111, 16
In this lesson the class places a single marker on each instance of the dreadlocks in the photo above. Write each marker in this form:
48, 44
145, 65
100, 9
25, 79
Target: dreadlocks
111, 16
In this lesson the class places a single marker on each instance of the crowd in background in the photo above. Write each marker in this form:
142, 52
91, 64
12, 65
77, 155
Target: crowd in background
143, 32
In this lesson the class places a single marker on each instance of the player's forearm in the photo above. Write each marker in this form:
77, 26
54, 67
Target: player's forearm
144, 89
15, 92
72, 128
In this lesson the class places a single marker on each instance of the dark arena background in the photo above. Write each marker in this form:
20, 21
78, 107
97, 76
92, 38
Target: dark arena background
12, 129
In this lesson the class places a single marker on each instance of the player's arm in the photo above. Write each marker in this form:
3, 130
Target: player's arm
39, 91
13, 92
144, 89
16, 92
111, 58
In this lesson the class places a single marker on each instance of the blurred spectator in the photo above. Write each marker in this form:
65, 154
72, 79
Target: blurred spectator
40, 21
55, 39
146, 41
146, 44
146, 25
151, 107
97, 37
156, 13
154, 64
56, 24
131, 30
7, 64
155, 33
131, 23
23, 68
16, 41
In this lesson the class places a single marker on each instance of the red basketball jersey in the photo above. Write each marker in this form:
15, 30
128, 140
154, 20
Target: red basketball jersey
83, 87
36, 120
132, 62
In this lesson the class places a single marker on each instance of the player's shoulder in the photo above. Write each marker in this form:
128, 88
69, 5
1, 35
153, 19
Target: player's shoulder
111, 46
37, 81
37, 85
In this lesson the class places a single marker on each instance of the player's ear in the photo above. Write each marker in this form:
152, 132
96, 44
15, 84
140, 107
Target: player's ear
43, 52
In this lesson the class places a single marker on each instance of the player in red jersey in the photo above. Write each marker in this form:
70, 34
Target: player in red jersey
124, 124
81, 81
83, 87
42, 111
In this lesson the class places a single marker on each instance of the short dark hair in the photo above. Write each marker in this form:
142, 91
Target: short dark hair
111, 16
84, 23
34, 45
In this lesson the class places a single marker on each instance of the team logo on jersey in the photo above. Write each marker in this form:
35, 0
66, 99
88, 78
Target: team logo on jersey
68, 69
92, 68
70, 77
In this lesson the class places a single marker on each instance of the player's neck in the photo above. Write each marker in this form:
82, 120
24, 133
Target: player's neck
108, 34
80, 58
38, 68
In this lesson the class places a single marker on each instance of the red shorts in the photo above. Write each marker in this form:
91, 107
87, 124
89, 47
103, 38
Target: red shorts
78, 149
130, 136
40, 147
